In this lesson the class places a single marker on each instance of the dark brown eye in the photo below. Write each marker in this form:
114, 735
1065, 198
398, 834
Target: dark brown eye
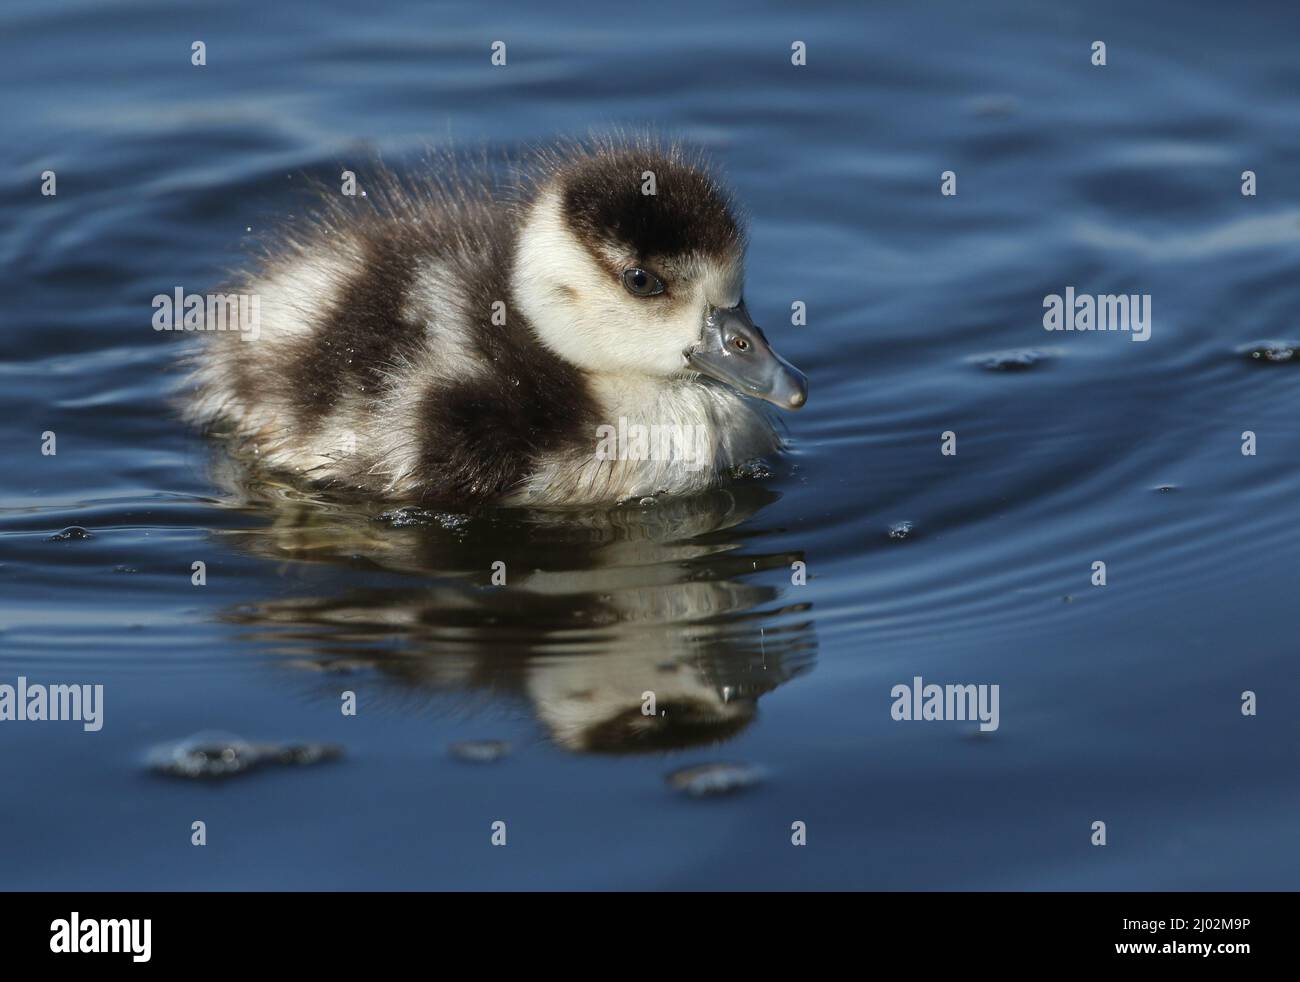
641, 283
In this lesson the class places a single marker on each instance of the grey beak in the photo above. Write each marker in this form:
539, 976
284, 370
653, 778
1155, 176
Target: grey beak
733, 350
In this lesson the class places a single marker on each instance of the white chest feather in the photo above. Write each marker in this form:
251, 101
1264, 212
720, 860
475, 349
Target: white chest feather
653, 436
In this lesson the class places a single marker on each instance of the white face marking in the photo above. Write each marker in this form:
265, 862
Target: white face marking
586, 316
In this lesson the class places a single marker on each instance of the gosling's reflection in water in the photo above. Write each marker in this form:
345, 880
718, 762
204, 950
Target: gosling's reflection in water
602, 611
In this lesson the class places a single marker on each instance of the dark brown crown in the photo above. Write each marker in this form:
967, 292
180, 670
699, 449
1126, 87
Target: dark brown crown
689, 213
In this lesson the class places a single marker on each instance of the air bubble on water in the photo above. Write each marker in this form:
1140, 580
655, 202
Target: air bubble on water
900, 530
1012, 360
756, 469
479, 751
69, 534
1270, 352
213, 755
715, 780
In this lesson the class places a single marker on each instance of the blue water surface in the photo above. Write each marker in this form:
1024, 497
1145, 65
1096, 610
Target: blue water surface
1119, 704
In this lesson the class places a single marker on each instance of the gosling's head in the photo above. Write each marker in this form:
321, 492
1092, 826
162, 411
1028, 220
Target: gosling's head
630, 261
